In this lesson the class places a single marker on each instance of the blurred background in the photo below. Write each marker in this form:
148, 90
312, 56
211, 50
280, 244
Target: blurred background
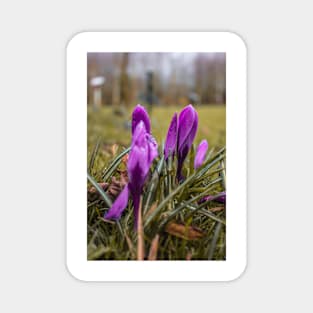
164, 83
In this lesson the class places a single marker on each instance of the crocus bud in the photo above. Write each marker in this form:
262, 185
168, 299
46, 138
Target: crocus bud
140, 114
200, 154
144, 150
187, 129
171, 138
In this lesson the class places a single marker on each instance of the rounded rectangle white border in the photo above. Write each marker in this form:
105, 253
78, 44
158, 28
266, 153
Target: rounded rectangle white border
236, 60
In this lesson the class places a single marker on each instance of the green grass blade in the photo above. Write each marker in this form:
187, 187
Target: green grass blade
214, 240
206, 213
94, 155
100, 190
112, 167
153, 183
172, 214
167, 199
203, 169
223, 173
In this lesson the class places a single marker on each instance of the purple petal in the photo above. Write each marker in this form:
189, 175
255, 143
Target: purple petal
139, 135
143, 151
221, 198
138, 169
200, 154
118, 206
152, 149
193, 130
171, 138
138, 166
187, 126
187, 129
140, 114
182, 153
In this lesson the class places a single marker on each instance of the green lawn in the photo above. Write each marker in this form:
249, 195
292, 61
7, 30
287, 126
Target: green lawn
112, 128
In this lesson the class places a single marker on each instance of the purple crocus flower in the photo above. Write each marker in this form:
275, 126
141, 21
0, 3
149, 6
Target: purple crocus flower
200, 154
171, 138
140, 114
143, 151
187, 128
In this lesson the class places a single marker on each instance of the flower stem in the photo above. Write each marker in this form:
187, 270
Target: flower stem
140, 239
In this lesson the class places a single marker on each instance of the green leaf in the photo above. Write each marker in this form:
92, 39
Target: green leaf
183, 205
167, 199
94, 155
223, 173
100, 190
153, 183
113, 166
202, 170
214, 240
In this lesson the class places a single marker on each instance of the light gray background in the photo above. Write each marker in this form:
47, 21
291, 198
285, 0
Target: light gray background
33, 38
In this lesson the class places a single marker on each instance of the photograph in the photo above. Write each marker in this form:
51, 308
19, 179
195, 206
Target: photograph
156, 156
